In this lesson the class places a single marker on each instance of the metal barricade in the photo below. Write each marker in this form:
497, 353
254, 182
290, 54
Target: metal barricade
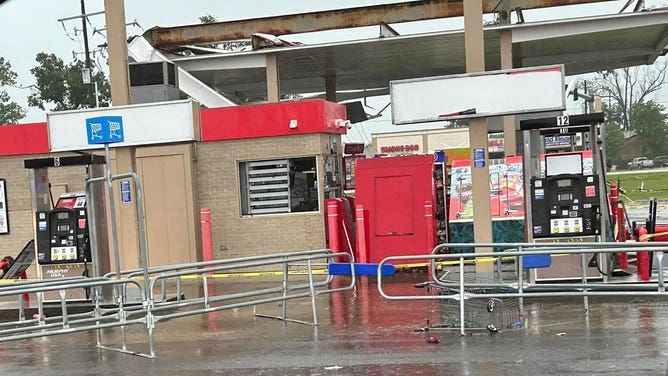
153, 307
463, 291
41, 325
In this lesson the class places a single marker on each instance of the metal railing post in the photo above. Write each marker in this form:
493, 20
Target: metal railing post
309, 268
461, 297
585, 298
520, 281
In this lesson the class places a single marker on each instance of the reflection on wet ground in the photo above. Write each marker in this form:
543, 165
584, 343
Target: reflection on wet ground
362, 334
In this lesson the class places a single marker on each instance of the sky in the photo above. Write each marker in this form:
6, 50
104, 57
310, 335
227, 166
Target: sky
28, 27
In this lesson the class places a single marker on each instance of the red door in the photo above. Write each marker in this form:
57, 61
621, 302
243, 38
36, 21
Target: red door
394, 191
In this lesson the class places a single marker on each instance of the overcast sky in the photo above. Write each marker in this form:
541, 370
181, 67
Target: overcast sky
31, 26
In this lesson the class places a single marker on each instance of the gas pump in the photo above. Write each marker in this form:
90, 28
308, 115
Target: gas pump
565, 204
62, 233
564, 186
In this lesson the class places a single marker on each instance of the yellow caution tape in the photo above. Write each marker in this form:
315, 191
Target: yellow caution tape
475, 260
649, 236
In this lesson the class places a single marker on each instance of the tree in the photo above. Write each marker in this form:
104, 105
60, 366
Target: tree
650, 124
10, 112
62, 84
628, 86
614, 143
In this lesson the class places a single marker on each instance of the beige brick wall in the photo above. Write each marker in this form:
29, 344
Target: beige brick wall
19, 203
218, 189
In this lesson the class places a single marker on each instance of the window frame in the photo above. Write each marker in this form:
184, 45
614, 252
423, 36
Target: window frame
285, 198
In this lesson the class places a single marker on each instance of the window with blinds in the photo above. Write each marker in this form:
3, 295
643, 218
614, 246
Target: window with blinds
278, 186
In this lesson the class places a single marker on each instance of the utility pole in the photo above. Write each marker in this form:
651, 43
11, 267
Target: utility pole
89, 72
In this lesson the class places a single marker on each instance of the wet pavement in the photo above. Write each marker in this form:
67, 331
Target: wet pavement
361, 333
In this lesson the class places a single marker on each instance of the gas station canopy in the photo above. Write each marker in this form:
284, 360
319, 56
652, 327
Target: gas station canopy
583, 45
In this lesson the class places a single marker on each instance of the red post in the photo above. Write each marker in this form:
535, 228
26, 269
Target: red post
207, 241
621, 237
614, 200
429, 219
361, 220
619, 227
642, 258
26, 297
431, 232
333, 226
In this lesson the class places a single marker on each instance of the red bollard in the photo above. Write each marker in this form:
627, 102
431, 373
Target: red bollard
362, 220
622, 257
642, 258
619, 227
26, 297
207, 241
333, 226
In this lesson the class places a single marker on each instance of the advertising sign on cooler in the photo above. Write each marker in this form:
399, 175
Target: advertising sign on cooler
506, 190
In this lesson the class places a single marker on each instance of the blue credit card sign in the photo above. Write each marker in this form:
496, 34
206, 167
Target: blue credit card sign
105, 129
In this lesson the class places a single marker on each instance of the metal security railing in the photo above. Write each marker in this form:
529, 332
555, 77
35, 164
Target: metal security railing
40, 325
463, 291
153, 307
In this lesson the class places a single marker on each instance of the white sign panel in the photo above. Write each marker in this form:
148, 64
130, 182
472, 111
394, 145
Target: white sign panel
505, 92
143, 124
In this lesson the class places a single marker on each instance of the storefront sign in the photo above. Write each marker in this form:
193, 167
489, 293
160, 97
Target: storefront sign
353, 148
392, 149
132, 125
4, 219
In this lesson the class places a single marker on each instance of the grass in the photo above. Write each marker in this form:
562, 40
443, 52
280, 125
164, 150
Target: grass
640, 186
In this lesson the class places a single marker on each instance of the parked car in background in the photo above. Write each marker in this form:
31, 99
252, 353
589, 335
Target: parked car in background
641, 162
661, 161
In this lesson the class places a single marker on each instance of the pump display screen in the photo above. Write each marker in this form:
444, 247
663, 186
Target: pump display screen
557, 164
564, 197
62, 215
563, 183
63, 228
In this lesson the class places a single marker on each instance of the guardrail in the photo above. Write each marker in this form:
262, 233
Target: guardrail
150, 311
520, 288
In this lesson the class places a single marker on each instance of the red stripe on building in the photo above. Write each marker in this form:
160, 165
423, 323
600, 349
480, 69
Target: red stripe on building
30, 138
272, 119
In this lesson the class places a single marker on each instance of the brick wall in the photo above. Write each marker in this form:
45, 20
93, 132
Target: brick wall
218, 189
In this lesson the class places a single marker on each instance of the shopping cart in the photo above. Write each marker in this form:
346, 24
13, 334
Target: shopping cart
492, 314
